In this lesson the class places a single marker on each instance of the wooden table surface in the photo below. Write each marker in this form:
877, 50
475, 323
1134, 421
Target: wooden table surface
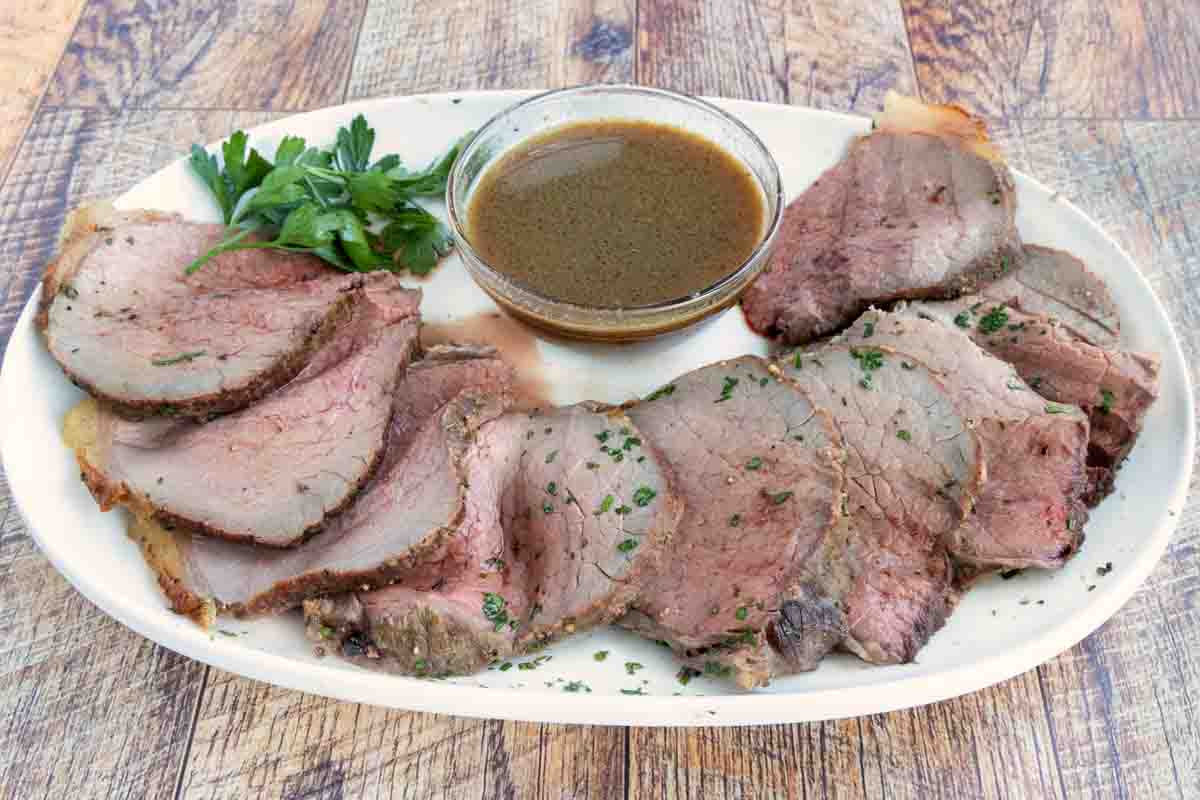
1099, 99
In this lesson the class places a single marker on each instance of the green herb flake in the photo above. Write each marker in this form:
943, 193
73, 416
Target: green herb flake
631, 667
600, 655
665, 391
506, 666
179, 359
606, 504
717, 670
963, 319
754, 464
1107, 400
547, 508
742, 613
907, 365
727, 389
628, 546
551, 488
637, 691
495, 610
868, 330
622, 510
797, 360
904, 436
575, 686
779, 498
630, 443
1056, 408
993, 321
602, 436
685, 675
643, 496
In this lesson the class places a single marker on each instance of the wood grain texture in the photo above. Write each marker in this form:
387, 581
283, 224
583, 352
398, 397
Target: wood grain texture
252, 54
1059, 58
733, 48
254, 740
33, 34
846, 54
408, 47
87, 707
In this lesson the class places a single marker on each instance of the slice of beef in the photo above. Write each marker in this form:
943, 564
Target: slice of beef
1114, 387
1060, 286
884, 574
1030, 512
759, 470
128, 325
401, 521
272, 473
566, 512
920, 207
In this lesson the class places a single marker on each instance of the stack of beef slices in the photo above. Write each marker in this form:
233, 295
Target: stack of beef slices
1016, 350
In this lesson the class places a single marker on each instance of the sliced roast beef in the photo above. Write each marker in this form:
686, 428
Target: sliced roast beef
129, 326
920, 207
401, 521
1114, 387
913, 470
1060, 286
566, 512
759, 470
1030, 512
272, 473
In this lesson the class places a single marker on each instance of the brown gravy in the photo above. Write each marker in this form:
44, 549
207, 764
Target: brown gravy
515, 342
616, 213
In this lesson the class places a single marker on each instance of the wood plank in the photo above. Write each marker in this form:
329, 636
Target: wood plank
254, 740
846, 54
1059, 58
256, 54
33, 34
406, 47
74, 156
86, 706
733, 48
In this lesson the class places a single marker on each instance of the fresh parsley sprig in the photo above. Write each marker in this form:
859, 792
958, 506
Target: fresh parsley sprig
334, 203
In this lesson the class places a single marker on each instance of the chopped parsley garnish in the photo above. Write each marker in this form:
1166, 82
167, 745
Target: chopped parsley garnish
631, 667
575, 686
779, 498
622, 510
963, 319
534, 664
735, 520
742, 613
494, 563
506, 666
1055, 408
1015, 385
553, 454
632, 691
665, 391
628, 546
868, 330
179, 359
904, 436
685, 675
754, 464
643, 496
870, 360
551, 488
600, 655
547, 508
994, 320
797, 361
727, 389
495, 611
1107, 398
602, 436
907, 365
631, 443
606, 504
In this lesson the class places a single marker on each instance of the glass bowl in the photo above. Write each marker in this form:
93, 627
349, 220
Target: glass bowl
554, 109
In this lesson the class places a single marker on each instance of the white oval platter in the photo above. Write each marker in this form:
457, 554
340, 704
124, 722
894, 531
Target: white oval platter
1001, 628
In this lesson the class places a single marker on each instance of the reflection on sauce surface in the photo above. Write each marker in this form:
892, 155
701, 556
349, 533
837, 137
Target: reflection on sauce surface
515, 342
616, 213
